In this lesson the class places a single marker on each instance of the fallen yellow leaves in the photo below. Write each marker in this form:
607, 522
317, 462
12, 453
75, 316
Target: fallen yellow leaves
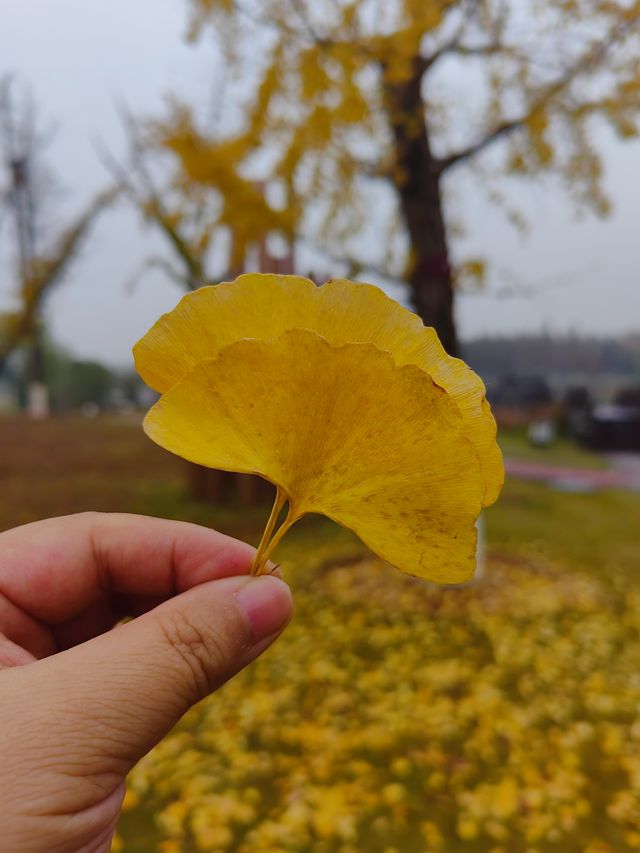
393, 716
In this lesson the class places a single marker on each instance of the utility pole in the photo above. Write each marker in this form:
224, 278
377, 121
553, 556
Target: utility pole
18, 145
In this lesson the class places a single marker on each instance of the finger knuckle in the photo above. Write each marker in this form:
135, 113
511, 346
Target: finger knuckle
201, 655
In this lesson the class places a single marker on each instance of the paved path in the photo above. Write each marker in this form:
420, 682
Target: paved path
629, 465
624, 473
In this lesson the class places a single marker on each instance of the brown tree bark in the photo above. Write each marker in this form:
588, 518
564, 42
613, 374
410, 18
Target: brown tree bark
223, 487
418, 183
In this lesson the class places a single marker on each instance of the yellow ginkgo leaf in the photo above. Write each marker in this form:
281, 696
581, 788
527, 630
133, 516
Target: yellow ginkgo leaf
342, 431
265, 306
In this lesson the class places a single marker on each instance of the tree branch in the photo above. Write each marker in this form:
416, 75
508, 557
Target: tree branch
501, 130
354, 266
587, 62
453, 45
157, 263
148, 201
44, 273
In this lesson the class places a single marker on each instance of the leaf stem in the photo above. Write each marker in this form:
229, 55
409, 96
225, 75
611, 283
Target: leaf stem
284, 527
264, 547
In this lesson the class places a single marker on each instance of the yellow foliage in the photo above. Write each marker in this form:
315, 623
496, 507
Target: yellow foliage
313, 736
352, 426
471, 273
334, 74
215, 165
265, 306
538, 126
131, 800
313, 77
354, 106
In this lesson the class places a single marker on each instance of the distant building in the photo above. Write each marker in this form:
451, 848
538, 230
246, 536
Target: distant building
566, 362
617, 426
577, 407
520, 400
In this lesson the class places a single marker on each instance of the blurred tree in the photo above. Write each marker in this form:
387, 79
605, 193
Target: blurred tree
42, 260
200, 226
73, 384
358, 111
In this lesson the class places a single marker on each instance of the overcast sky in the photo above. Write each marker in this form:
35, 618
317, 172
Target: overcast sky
83, 58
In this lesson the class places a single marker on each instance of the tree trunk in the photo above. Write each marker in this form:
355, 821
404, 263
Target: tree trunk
222, 488
418, 185
37, 402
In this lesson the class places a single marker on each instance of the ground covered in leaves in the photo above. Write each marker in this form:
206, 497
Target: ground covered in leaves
398, 717
393, 715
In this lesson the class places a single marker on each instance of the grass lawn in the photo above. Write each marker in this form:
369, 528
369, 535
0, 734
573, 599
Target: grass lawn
594, 533
393, 716
515, 445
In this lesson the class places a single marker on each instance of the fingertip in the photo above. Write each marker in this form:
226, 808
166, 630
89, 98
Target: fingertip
267, 605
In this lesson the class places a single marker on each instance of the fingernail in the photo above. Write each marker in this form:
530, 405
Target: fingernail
272, 568
267, 604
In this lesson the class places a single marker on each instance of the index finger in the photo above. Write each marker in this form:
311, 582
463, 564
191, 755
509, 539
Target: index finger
55, 569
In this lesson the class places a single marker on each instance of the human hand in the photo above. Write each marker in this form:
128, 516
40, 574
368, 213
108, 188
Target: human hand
80, 704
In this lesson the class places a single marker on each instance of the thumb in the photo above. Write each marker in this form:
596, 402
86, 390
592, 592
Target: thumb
111, 699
